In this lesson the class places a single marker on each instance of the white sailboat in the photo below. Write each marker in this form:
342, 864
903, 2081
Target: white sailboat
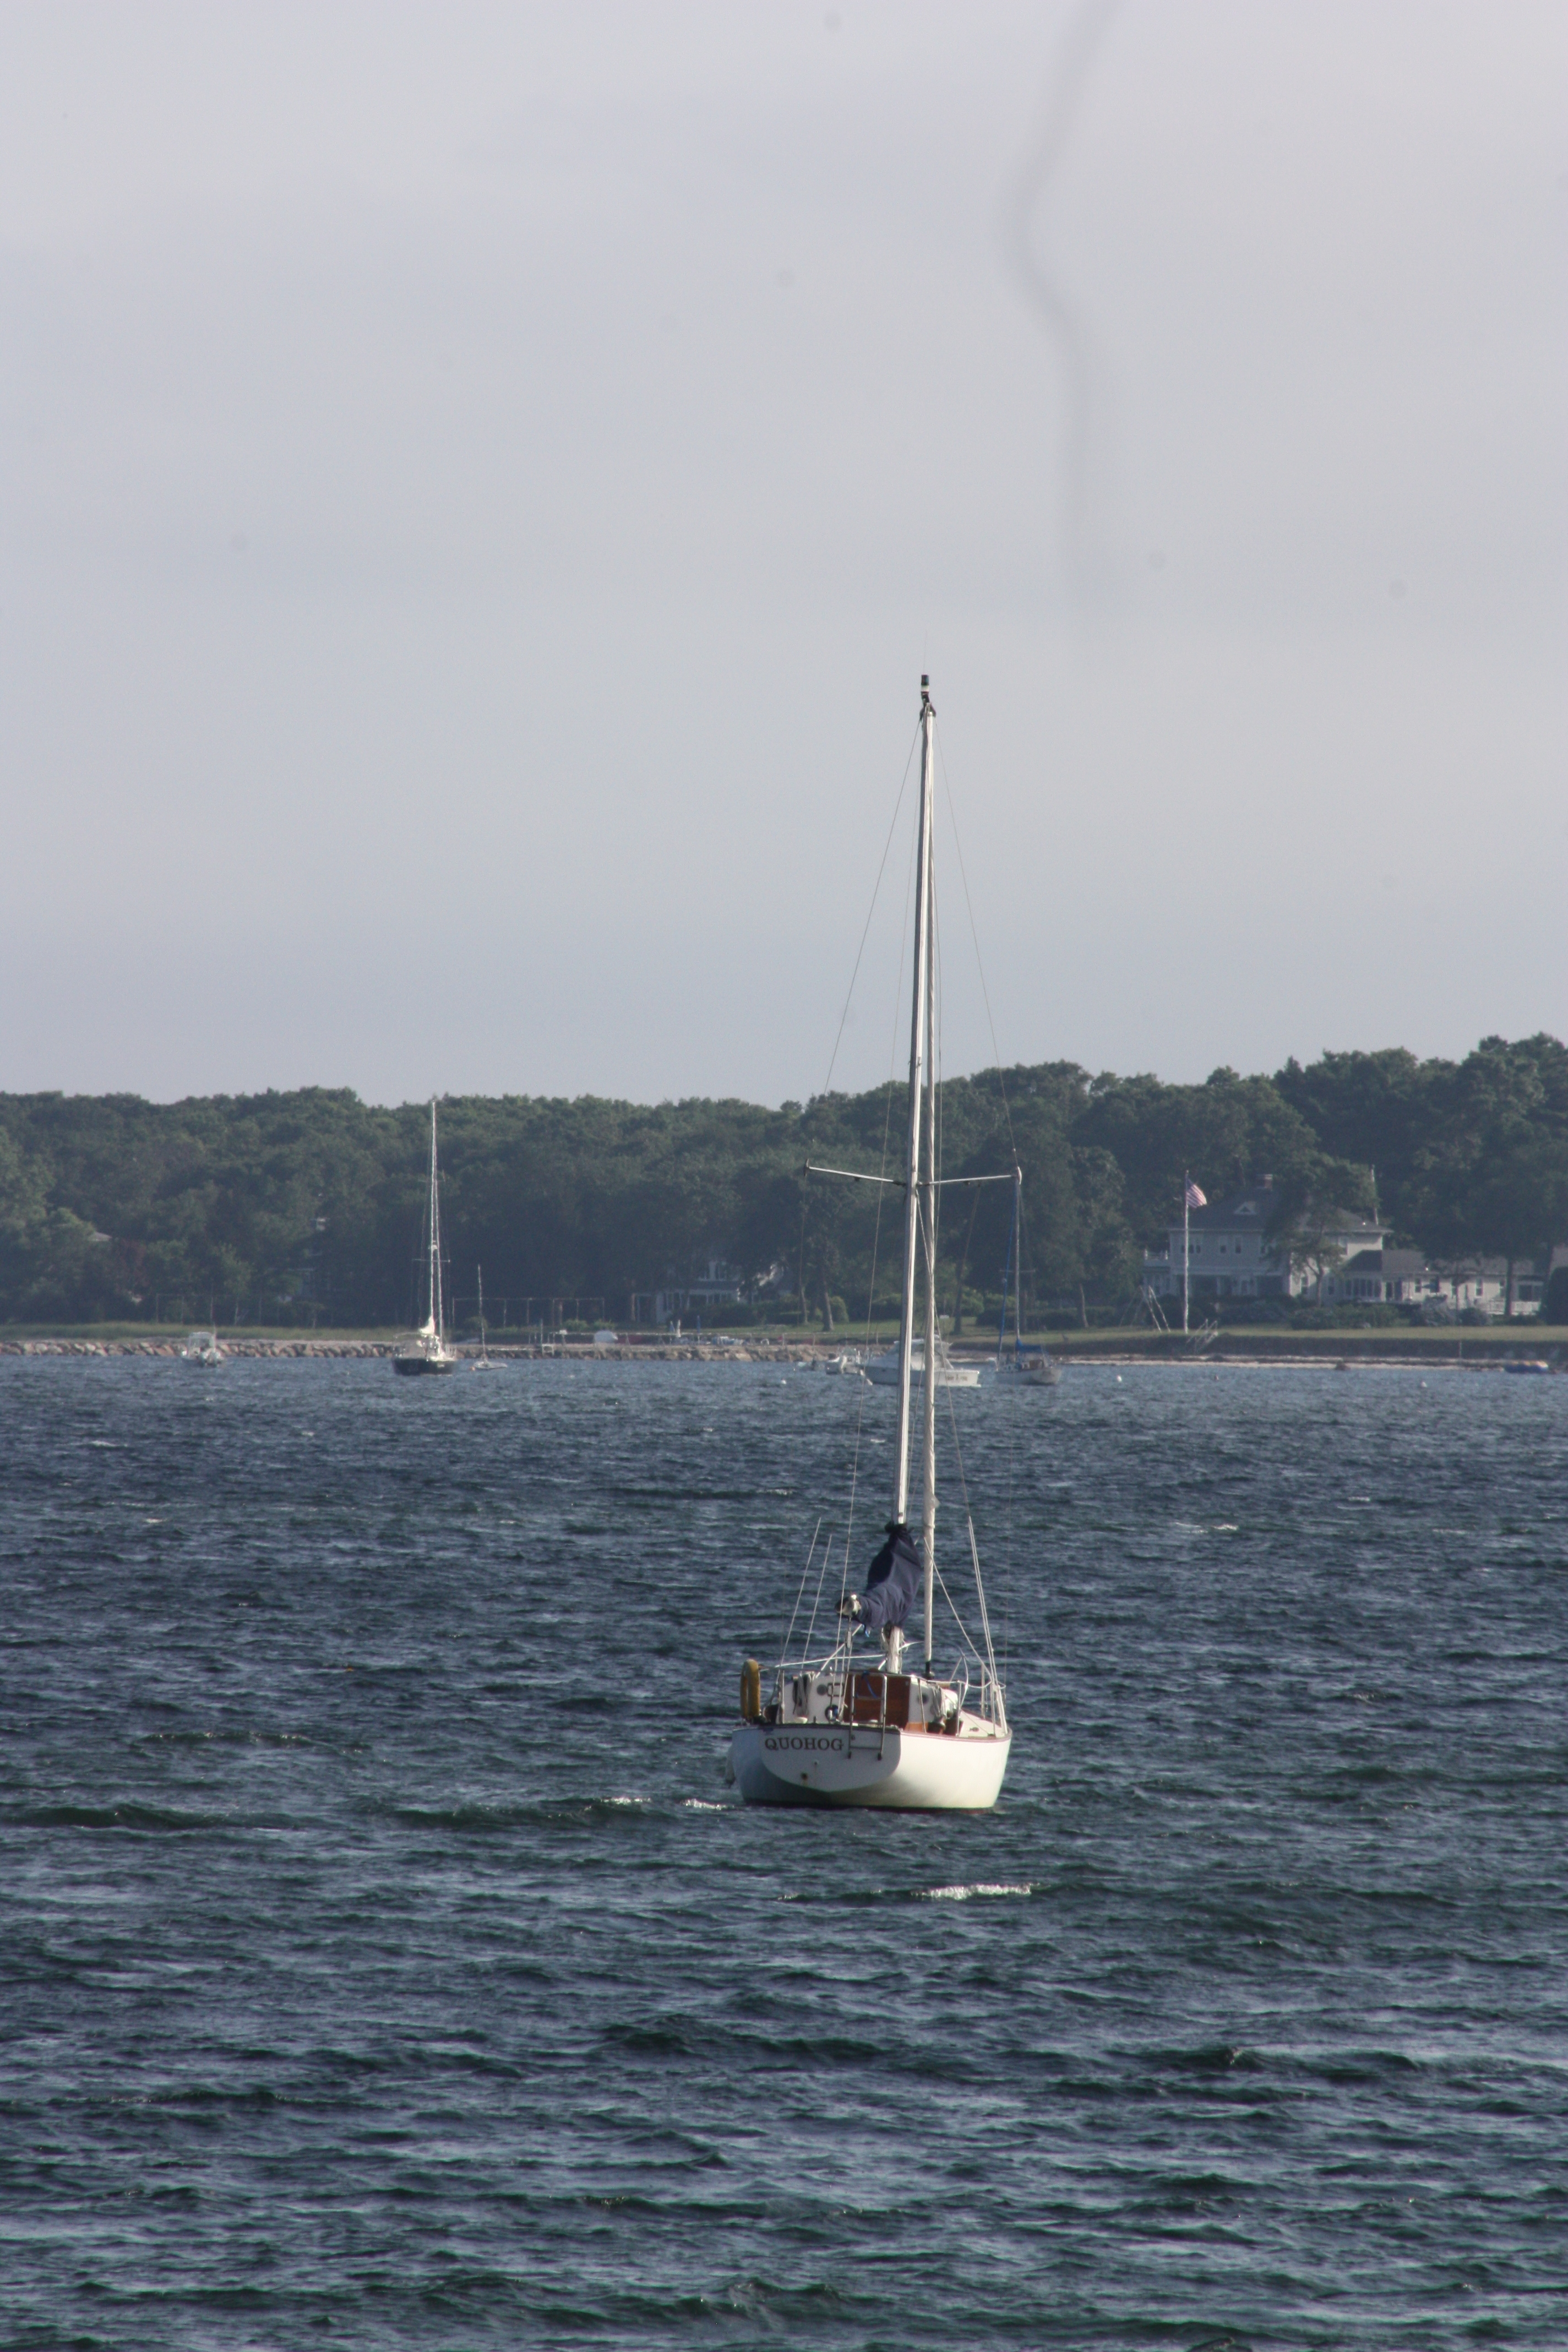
428, 1351
1025, 1367
886, 1372
481, 1363
831, 1731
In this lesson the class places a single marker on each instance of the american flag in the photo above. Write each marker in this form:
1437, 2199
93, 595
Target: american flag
1195, 1198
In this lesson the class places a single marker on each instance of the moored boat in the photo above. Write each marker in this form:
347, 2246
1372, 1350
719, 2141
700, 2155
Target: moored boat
853, 1729
427, 1351
1026, 1367
886, 1372
483, 1362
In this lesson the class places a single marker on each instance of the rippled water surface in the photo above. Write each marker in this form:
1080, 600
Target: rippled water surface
385, 1960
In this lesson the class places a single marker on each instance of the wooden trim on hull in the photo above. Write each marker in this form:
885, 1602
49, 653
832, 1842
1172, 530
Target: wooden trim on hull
844, 1764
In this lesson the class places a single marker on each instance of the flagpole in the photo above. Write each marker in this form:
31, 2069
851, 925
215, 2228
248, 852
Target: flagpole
1187, 1241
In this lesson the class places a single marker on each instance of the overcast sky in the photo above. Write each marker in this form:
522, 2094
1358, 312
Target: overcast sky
481, 485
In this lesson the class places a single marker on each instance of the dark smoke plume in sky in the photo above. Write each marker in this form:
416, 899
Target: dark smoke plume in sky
1024, 244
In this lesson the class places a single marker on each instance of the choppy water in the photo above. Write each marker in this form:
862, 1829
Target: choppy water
385, 1960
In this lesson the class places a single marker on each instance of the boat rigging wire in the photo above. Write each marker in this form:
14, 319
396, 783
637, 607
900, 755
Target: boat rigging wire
887, 1133
876, 892
980, 1596
964, 1633
804, 1572
974, 1547
974, 935
850, 992
821, 1571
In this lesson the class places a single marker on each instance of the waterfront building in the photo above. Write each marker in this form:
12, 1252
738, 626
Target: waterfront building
1235, 1254
718, 1284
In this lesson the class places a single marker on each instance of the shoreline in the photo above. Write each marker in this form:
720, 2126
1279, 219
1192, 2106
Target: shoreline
1296, 1351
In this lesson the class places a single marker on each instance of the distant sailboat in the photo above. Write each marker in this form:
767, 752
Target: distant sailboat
1025, 1367
481, 1363
427, 1350
886, 1372
831, 1732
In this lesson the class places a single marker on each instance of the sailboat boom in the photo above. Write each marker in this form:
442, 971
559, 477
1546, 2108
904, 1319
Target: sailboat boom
855, 1175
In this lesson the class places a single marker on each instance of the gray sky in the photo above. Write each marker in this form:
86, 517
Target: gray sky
481, 485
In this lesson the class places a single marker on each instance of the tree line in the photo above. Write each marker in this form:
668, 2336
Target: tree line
308, 1206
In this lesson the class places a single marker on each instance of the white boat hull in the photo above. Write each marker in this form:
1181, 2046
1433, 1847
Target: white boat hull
844, 1764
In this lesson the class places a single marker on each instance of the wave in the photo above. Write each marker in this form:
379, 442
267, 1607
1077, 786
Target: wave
116, 1817
567, 1813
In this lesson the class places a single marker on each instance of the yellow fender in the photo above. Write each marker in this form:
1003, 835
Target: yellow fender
751, 1691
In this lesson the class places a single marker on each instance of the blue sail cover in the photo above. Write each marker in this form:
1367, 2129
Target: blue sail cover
891, 1582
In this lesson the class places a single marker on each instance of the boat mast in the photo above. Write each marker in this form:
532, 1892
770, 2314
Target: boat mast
919, 1047
1017, 1255
927, 1219
434, 1233
1007, 1268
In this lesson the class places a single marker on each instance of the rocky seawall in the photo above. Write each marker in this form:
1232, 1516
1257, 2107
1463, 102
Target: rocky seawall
1337, 1351
339, 1350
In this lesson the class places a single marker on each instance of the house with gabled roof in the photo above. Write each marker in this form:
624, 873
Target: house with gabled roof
1234, 1253
1387, 1277
718, 1285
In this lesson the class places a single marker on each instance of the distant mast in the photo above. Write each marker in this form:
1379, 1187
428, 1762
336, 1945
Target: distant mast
434, 1325
429, 1351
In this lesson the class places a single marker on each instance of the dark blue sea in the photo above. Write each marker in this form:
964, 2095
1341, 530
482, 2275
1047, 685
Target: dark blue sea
386, 1962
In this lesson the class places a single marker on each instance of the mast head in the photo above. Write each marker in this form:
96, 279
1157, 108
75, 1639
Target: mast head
925, 694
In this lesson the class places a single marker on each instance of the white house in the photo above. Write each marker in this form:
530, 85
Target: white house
718, 1285
1234, 1254
1483, 1283
1383, 1277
